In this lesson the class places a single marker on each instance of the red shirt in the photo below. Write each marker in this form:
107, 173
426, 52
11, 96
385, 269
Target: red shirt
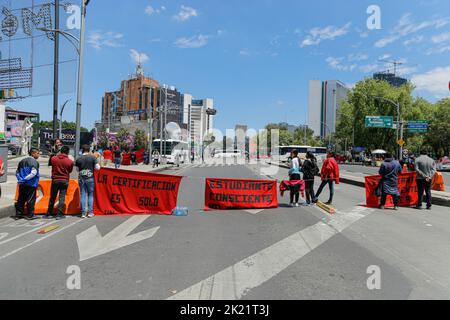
62, 167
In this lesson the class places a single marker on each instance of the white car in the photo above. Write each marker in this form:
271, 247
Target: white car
444, 164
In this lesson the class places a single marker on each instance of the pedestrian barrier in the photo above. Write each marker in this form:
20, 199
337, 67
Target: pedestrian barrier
438, 182
72, 203
407, 186
225, 194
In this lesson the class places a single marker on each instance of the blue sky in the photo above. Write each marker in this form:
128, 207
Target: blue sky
254, 57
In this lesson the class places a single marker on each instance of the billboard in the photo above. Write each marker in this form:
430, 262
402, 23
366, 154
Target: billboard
68, 137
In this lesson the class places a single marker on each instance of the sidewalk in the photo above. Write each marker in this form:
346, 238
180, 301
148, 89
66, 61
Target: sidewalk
9, 188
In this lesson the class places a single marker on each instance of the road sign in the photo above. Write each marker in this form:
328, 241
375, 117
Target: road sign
380, 122
401, 142
418, 126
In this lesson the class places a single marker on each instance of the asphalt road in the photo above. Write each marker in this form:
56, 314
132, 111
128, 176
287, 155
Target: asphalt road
364, 171
285, 253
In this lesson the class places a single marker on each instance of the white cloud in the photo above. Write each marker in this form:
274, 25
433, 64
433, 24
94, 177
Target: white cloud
443, 37
185, 14
357, 57
193, 42
369, 68
406, 27
415, 40
317, 35
138, 57
385, 56
336, 63
98, 40
149, 10
434, 81
406, 70
438, 50
244, 52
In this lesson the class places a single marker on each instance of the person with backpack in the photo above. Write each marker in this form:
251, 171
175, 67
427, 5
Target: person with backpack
86, 165
389, 171
330, 176
294, 175
310, 170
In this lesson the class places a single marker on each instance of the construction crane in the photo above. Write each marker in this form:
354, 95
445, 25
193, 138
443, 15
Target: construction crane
395, 63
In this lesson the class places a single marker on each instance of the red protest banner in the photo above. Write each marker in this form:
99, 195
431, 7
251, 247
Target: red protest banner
223, 194
407, 186
128, 192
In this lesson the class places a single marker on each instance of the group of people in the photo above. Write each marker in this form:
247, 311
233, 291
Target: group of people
425, 169
62, 167
329, 175
424, 166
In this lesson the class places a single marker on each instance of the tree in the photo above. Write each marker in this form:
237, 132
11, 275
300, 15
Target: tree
125, 140
65, 125
438, 138
140, 139
362, 102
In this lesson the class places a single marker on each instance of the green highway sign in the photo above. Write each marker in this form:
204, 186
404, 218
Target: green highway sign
380, 122
418, 126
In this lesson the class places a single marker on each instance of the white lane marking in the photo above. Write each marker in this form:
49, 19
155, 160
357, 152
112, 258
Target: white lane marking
25, 233
256, 211
39, 240
3, 235
91, 244
236, 281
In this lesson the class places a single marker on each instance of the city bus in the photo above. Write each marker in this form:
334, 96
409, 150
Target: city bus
171, 149
283, 153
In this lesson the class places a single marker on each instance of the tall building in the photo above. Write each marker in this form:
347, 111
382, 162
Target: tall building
324, 101
391, 78
198, 116
136, 100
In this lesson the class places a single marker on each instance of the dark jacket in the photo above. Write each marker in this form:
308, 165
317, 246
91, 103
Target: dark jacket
389, 171
310, 169
24, 172
62, 167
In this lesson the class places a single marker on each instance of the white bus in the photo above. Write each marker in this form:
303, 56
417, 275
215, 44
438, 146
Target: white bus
171, 149
283, 154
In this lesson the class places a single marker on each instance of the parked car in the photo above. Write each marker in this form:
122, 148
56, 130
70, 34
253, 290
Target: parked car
444, 164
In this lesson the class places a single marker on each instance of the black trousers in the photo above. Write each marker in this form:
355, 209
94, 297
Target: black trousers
27, 195
325, 182
295, 190
61, 188
424, 187
384, 198
309, 189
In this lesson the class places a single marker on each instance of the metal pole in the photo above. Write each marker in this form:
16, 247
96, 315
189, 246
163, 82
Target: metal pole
80, 79
61, 118
160, 124
56, 71
165, 122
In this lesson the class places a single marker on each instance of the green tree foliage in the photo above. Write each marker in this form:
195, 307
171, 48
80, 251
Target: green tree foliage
362, 102
140, 140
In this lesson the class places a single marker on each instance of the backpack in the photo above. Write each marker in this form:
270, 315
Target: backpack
315, 168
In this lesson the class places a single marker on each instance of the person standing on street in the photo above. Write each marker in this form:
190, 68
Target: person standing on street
425, 168
294, 175
62, 167
310, 170
86, 166
330, 175
389, 171
117, 157
28, 179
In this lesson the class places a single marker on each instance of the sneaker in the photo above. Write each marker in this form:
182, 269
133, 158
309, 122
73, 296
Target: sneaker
429, 208
291, 205
418, 208
381, 207
30, 218
17, 217
297, 205
47, 217
329, 203
396, 208
83, 216
91, 215
60, 217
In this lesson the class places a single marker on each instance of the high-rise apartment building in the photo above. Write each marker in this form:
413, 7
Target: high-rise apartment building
324, 101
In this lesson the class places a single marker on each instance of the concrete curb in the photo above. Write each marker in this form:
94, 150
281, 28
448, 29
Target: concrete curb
439, 198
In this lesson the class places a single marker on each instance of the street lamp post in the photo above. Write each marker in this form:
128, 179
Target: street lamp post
61, 118
80, 50
329, 142
399, 123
